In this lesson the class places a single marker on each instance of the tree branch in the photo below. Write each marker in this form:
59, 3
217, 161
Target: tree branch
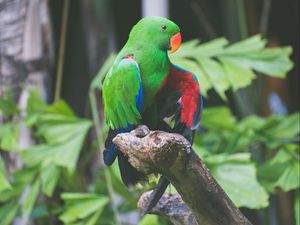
171, 207
172, 156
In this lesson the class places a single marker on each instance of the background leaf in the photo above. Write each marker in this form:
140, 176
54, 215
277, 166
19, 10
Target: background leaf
4, 184
8, 105
49, 177
222, 66
243, 178
82, 205
150, 220
9, 134
30, 197
8, 213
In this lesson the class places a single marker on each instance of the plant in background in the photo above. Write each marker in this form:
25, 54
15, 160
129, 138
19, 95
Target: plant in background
222, 66
59, 137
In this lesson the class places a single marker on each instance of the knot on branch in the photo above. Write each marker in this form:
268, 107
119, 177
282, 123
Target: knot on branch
152, 151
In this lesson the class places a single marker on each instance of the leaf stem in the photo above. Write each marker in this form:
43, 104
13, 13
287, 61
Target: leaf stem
61, 53
239, 104
100, 141
242, 23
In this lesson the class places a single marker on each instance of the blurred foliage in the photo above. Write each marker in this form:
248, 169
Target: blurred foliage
221, 66
82, 206
230, 148
250, 157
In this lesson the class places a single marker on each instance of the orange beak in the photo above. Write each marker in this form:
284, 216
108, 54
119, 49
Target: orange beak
175, 42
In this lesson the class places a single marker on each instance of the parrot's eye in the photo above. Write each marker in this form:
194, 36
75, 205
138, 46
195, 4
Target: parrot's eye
163, 27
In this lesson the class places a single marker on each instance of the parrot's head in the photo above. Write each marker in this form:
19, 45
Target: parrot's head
157, 32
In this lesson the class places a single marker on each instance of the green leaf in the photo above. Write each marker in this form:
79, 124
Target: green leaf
8, 212
9, 134
252, 44
272, 62
30, 197
68, 152
228, 158
150, 220
227, 66
59, 131
239, 182
21, 178
8, 105
218, 118
222, 133
82, 206
38, 154
4, 184
251, 122
290, 179
35, 103
82, 209
63, 154
78, 196
64, 135
281, 171
49, 177
211, 48
61, 108
282, 127
93, 219
216, 75
35, 106
238, 76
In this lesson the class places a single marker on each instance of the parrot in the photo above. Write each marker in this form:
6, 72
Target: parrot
143, 86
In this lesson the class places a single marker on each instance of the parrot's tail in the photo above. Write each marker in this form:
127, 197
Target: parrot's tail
129, 174
110, 154
111, 151
156, 194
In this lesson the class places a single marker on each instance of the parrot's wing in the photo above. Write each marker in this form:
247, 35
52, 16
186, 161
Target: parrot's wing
123, 99
123, 94
180, 98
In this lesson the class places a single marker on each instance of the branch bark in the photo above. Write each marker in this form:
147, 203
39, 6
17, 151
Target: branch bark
172, 156
172, 207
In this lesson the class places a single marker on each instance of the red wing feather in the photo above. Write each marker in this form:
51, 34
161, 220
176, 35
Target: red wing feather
185, 82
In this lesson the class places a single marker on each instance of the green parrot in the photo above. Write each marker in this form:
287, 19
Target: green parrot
144, 87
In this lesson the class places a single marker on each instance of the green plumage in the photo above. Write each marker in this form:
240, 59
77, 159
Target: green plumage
119, 91
147, 44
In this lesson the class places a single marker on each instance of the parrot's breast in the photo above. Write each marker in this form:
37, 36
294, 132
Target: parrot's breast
154, 65
154, 71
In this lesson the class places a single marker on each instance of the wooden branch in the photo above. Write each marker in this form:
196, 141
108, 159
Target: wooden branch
172, 207
172, 156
